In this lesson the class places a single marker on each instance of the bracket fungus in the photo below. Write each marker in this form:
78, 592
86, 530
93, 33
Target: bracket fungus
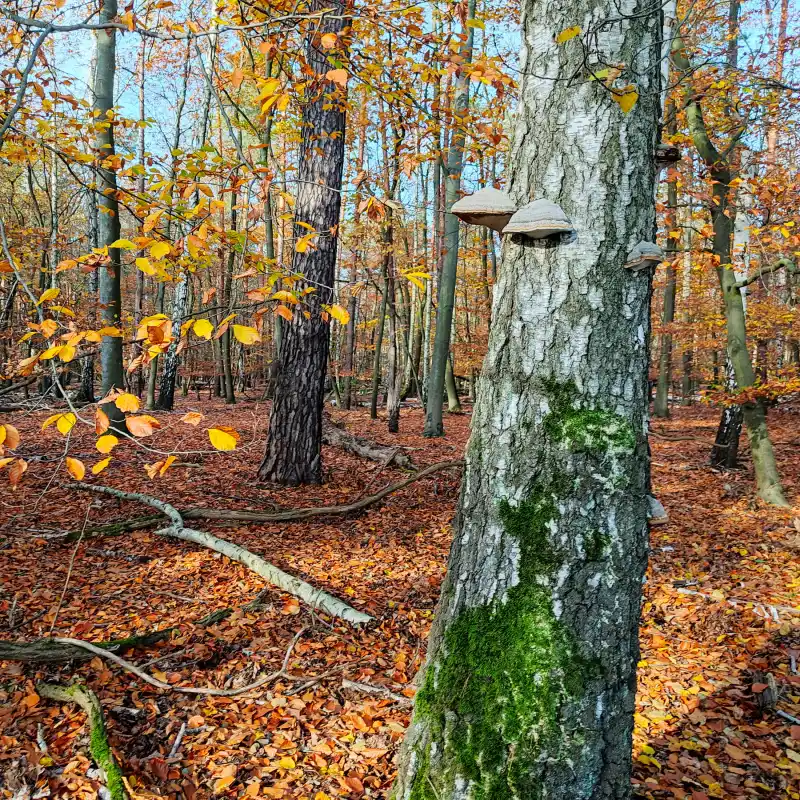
489, 207
539, 219
644, 256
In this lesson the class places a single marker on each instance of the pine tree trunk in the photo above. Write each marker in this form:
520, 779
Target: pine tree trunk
108, 225
528, 689
294, 441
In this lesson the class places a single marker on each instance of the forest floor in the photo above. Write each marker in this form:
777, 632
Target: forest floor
721, 613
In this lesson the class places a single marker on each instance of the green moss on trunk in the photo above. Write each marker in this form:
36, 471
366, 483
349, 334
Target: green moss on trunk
493, 699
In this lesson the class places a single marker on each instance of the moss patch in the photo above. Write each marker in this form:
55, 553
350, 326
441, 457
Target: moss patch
493, 701
591, 430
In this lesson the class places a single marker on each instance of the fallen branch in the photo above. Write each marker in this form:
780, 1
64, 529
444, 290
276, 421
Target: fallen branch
368, 688
290, 515
202, 690
336, 436
316, 598
52, 651
98, 737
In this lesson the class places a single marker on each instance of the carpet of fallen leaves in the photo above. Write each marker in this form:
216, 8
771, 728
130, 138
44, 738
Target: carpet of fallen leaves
720, 622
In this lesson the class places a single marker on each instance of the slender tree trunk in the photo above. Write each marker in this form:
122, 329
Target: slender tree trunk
725, 452
447, 283
376, 364
661, 406
528, 689
108, 225
86, 391
294, 441
140, 184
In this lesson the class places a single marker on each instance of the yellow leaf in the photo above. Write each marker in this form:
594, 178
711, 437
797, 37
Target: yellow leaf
245, 334
328, 40
195, 245
203, 328
143, 425
100, 466
625, 98
145, 266
160, 467
567, 34
221, 784
151, 220
127, 402
63, 422
476, 23
223, 438
109, 330
48, 294
123, 244
339, 313
287, 762
75, 468
159, 249
338, 76
105, 444
67, 353
285, 297
302, 244
4, 462
51, 352
192, 417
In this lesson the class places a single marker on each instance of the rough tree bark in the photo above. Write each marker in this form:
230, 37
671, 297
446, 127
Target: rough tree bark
528, 687
108, 226
294, 441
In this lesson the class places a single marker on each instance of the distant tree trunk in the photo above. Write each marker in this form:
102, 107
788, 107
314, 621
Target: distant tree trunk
349, 350
108, 225
294, 440
86, 391
661, 406
447, 283
764, 463
376, 364
529, 683
140, 185
725, 452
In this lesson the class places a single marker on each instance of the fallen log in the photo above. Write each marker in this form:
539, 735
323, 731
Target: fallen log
53, 651
290, 515
336, 436
99, 747
50, 651
316, 598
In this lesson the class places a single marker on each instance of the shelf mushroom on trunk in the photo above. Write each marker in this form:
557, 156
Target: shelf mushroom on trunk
643, 256
539, 219
488, 207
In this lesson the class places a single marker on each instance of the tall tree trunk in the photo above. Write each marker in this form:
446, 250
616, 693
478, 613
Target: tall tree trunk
764, 463
108, 225
140, 184
447, 282
661, 405
86, 391
294, 440
528, 689
725, 451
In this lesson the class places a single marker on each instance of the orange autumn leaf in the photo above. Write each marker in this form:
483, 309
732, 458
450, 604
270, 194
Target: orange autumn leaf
101, 421
127, 402
142, 425
76, 468
192, 417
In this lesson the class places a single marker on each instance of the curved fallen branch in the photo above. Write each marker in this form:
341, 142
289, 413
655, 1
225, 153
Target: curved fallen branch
290, 515
98, 737
202, 690
52, 651
316, 598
